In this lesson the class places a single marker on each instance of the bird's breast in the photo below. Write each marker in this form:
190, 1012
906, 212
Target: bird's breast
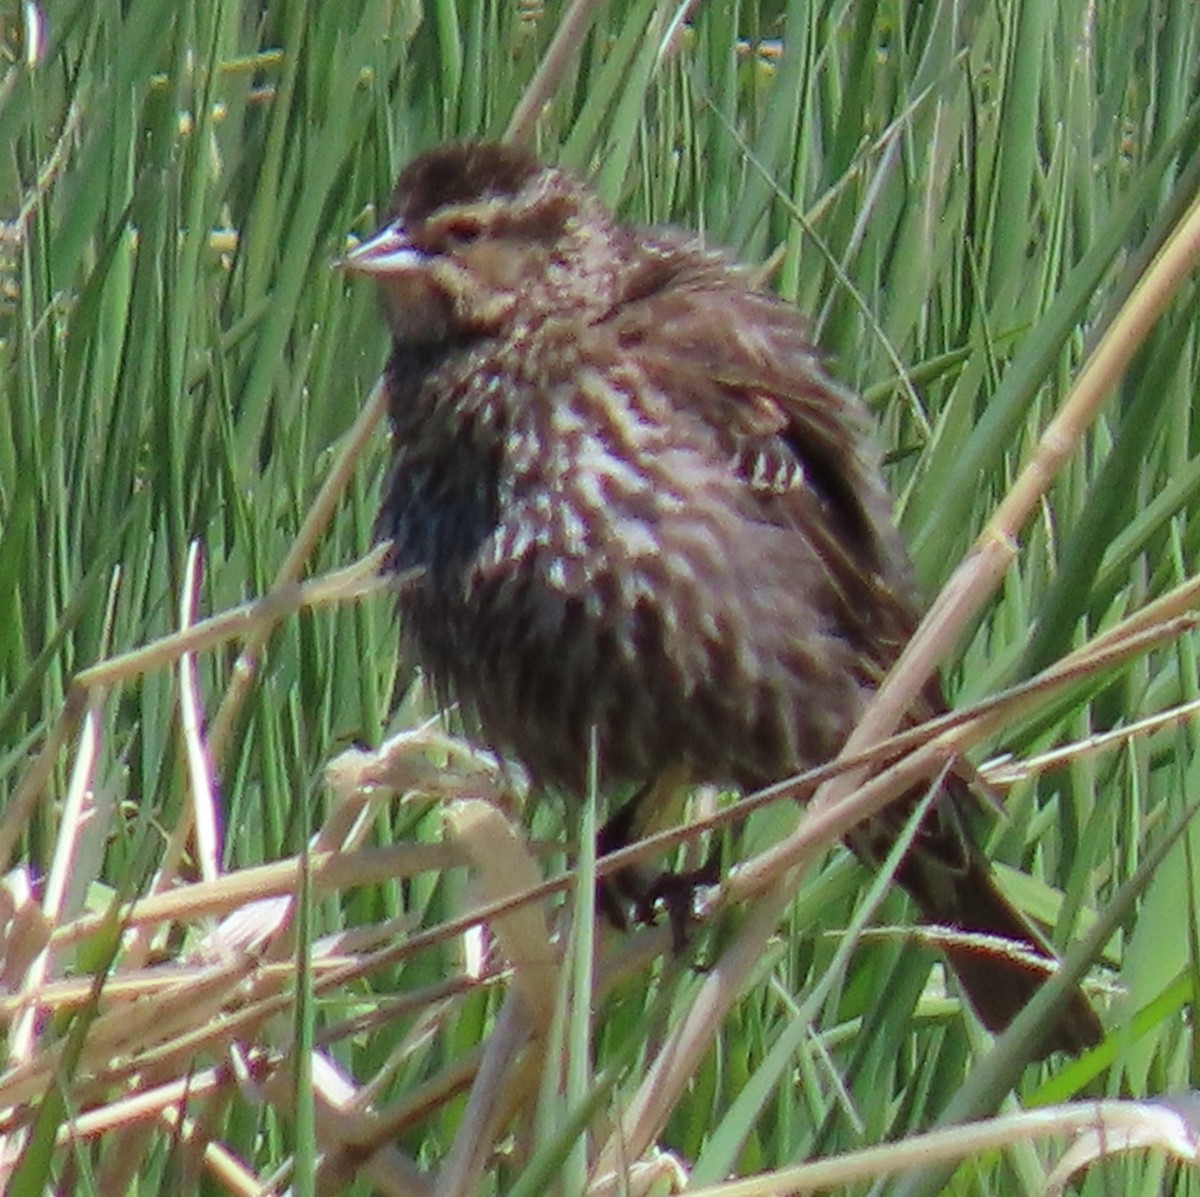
591, 561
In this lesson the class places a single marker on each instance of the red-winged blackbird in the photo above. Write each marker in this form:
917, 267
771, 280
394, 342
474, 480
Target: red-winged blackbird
642, 510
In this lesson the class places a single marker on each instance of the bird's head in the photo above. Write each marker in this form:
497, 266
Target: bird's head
478, 235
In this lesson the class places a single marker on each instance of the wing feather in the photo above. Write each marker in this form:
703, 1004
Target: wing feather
799, 441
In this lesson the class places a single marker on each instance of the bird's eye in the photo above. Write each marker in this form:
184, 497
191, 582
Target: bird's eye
462, 232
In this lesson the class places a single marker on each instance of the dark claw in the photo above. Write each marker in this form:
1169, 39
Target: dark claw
677, 893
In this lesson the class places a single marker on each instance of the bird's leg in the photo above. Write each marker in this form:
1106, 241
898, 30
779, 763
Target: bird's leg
677, 893
656, 805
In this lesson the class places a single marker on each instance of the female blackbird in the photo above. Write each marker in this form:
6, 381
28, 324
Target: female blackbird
642, 511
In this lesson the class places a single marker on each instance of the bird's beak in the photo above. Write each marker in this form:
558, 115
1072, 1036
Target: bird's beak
389, 252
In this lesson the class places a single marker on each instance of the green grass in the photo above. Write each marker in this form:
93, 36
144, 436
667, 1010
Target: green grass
961, 195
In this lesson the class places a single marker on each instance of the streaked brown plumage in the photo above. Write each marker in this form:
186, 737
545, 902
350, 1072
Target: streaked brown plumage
641, 506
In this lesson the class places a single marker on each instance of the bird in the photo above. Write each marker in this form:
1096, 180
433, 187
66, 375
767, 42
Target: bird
644, 528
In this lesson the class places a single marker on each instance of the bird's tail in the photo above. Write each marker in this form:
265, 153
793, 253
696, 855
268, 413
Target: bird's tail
1000, 958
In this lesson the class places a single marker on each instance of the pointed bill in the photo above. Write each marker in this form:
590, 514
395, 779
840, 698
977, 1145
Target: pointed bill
388, 252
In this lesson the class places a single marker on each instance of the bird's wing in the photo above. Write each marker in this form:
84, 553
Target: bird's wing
739, 363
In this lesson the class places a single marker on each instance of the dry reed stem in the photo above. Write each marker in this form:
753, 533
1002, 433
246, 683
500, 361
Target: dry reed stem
324, 505
260, 615
202, 783
1121, 1123
568, 35
343, 1122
